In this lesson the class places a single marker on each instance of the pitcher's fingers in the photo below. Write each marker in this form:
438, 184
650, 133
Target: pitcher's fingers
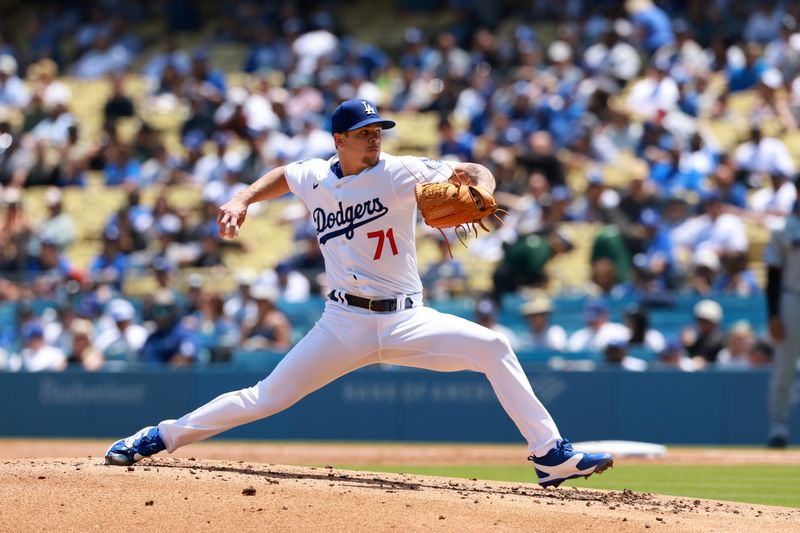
231, 231
223, 224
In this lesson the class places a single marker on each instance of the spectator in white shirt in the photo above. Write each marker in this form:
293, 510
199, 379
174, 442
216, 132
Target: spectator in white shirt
105, 57
14, 94
210, 166
617, 356
771, 204
715, 230
612, 56
239, 306
542, 335
313, 45
782, 52
598, 331
254, 109
699, 156
654, 94
738, 344
705, 271
220, 192
123, 340
311, 142
44, 74
686, 58
763, 155
292, 286
641, 334
674, 356
54, 129
38, 356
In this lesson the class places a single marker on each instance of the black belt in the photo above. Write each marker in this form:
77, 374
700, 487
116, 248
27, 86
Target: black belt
377, 306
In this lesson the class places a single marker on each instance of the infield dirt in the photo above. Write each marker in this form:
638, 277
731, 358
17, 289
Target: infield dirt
212, 493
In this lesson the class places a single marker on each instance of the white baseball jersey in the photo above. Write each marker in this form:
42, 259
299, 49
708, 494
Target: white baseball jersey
366, 222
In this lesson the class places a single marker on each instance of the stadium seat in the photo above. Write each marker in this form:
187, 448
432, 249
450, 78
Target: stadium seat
255, 360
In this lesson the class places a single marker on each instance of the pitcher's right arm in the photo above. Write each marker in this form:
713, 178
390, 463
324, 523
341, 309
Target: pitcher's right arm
268, 187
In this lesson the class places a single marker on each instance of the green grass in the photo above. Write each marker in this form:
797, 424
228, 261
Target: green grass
766, 484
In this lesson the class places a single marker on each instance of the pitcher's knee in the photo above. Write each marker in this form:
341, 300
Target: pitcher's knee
270, 400
497, 348
499, 344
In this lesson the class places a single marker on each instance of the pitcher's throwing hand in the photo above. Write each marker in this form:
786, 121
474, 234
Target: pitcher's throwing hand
231, 217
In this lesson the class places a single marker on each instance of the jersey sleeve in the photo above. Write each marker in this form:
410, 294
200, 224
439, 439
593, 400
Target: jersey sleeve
301, 175
412, 170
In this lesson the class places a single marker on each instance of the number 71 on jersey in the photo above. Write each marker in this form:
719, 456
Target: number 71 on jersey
382, 236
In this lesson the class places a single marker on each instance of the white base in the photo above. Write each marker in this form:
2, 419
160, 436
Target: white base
622, 448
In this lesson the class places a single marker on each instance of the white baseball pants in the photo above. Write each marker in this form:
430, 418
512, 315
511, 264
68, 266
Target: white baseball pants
346, 339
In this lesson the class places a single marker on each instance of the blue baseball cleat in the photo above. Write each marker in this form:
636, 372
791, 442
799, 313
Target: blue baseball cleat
562, 463
143, 443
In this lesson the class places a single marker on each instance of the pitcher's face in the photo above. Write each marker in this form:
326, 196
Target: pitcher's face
363, 144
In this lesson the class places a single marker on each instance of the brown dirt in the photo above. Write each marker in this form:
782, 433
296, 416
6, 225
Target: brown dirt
63, 486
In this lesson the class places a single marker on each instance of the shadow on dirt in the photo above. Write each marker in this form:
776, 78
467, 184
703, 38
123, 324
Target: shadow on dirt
409, 482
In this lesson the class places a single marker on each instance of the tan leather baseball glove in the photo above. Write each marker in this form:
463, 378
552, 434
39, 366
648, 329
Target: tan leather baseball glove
446, 205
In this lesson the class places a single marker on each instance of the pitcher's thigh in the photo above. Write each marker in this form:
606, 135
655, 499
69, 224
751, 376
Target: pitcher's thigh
320, 357
430, 339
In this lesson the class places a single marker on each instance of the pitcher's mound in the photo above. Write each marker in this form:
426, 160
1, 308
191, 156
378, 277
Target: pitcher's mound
176, 495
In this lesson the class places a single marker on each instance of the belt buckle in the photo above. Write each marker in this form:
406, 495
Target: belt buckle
369, 306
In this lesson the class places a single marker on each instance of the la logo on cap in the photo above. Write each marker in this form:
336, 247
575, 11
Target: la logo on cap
368, 109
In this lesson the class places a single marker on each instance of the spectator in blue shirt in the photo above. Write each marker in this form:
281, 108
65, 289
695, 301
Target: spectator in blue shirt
172, 55
268, 53
670, 179
49, 262
736, 278
112, 264
213, 331
445, 277
414, 51
731, 192
122, 167
743, 77
205, 83
655, 243
652, 25
453, 145
170, 343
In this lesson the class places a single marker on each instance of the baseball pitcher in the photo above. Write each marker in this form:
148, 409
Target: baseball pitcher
364, 203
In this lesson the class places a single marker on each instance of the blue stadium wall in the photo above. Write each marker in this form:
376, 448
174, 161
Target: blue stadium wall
666, 407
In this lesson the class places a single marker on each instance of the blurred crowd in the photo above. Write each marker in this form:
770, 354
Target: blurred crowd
632, 86
699, 342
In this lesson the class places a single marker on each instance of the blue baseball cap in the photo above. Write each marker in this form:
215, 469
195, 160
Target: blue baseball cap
594, 309
32, 330
357, 113
672, 345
